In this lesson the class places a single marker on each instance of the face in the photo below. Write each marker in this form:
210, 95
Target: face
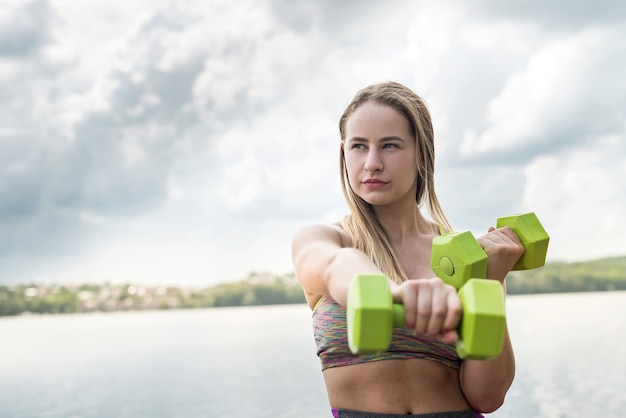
379, 151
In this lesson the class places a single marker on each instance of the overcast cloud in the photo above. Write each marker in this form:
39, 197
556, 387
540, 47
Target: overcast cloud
185, 142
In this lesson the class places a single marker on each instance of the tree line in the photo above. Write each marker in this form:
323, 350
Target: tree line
604, 274
39, 299
598, 275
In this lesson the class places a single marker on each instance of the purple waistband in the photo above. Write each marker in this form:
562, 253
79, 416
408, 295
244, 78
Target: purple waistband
348, 413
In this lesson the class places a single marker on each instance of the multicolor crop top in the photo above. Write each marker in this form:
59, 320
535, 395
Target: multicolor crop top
329, 329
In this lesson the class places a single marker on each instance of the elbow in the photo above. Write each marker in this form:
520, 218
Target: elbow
485, 384
486, 404
486, 399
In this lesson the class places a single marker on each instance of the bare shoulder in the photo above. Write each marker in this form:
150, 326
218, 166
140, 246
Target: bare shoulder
314, 248
331, 233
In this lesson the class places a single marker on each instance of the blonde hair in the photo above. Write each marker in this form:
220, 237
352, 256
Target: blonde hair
362, 224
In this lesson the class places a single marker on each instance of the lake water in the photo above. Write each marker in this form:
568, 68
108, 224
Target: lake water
260, 361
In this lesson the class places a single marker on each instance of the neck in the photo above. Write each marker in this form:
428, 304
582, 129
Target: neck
403, 222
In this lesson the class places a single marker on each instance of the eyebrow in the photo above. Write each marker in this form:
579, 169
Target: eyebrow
383, 139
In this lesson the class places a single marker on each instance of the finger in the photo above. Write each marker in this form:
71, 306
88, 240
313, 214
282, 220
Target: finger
497, 239
406, 295
503, 239
438, 311
449, 337
494, 237
504, 234
453, 313
510, 234
424, 306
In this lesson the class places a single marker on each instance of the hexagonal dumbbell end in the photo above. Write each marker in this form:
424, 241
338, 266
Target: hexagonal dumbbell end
533, 236
371, 314
457, 257
482, 328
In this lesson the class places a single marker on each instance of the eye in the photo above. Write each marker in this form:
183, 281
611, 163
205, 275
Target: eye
390, 145
357, 145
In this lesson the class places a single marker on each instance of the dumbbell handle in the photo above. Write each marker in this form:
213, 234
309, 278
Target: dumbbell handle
398, 315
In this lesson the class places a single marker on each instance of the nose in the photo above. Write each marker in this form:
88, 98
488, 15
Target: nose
373, 162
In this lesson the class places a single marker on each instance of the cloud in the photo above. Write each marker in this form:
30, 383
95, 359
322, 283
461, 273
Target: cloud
174, 141
518, 115
460, 70
566, 95
155, 126
580, 195
25, 27
557, 14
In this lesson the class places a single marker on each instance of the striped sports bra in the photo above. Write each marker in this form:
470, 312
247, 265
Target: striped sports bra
329, 330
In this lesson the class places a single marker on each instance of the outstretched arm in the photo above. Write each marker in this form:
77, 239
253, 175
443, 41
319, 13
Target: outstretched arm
324, 265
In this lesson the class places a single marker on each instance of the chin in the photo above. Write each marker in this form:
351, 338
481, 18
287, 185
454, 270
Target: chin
376, 201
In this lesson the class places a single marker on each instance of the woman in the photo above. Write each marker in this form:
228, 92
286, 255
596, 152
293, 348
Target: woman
387, 166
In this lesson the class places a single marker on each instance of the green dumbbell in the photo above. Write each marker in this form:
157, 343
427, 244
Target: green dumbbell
532, 235
459, 260
372, 315
457, 256
483, 325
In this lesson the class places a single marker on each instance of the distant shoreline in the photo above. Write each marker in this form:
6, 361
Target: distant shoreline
608, 274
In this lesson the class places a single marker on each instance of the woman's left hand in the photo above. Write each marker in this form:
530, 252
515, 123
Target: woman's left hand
503, 248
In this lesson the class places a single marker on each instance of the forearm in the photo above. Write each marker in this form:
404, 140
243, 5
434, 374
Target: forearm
486, 382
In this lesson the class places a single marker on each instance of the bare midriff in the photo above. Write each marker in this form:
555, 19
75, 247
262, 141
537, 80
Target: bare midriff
414, 386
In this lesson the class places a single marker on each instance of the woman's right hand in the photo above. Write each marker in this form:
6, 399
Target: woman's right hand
431, 307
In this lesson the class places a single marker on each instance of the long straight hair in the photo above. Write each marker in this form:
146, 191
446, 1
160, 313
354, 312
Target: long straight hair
362, 224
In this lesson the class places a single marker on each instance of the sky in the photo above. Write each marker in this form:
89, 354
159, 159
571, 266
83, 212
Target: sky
184, 142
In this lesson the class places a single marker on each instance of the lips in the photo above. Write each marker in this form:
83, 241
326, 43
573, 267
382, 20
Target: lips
374, 183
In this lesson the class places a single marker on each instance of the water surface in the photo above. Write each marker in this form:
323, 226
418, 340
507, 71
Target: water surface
260, 361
